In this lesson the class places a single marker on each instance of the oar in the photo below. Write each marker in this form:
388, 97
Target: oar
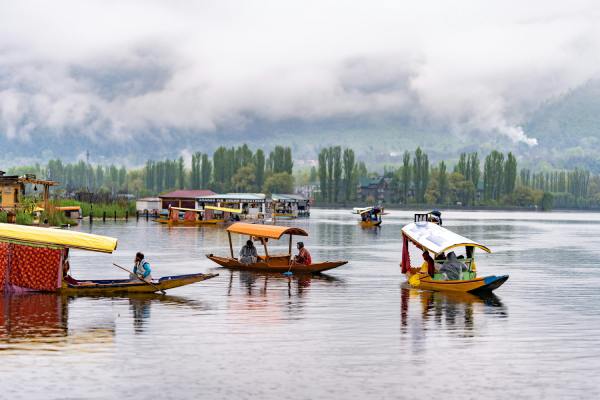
289, 271
143, 280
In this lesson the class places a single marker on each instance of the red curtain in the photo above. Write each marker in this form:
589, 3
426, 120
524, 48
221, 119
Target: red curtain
29, 268
405, 255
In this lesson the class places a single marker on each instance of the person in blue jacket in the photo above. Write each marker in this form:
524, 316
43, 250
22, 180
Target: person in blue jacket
141, 268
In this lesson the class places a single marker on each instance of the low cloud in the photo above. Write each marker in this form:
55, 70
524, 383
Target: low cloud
118, 69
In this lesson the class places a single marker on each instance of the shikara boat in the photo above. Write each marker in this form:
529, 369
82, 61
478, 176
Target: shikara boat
369, 216
190, 217
270, 262
35, 259
431, 237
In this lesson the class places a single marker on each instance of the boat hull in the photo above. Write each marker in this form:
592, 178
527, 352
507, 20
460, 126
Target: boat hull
189, 223
121, 286
370, 224
275, 264
484, 284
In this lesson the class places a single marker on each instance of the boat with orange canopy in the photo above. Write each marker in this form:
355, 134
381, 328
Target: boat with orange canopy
270, 262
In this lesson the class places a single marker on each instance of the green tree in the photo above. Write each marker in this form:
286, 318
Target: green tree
323, 178
280, 182
337, 171
420, 174
349, 177
259, 163
442, 180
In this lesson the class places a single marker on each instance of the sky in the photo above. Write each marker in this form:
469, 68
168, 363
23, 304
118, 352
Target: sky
118, 69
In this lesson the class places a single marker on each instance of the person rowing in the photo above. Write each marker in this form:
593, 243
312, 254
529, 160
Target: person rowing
141, 268
303, 256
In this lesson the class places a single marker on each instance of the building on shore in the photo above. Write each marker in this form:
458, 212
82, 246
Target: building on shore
251, 205
12, 190
182, 198
376, 189
150, 204
289, 205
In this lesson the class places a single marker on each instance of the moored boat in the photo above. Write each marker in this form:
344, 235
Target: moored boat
34, 259
186, 217
269, 262
451, 272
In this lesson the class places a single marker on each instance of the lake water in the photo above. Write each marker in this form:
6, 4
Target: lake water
355, 333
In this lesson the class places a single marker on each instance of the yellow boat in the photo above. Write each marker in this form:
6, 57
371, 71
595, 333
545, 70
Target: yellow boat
370, 217
452, 274
34, 259
270, 262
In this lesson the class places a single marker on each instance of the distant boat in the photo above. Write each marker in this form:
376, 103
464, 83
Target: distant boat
369, 216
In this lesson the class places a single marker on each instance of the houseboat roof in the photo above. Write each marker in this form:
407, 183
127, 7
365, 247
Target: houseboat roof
436, 239
265, 231
186, 194
251, 197
57, 237
290, 198
224, 209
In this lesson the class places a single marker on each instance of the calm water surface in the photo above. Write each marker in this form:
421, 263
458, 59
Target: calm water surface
352, 334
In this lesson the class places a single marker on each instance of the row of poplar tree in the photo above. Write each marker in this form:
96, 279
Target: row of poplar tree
235, 169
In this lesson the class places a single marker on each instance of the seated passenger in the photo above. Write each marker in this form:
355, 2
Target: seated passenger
453, 268
67, 269
248, 253
303, 256
141, 269
428, 265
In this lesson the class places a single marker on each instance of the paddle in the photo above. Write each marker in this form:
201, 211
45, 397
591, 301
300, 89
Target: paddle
143, 280
289, 271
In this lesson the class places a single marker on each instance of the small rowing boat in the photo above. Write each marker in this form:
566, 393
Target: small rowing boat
34, 259
452, 272
369, 216
269, 262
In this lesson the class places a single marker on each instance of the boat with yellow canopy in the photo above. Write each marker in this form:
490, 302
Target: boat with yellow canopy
36, 259
369, 216
450, 272
270, 262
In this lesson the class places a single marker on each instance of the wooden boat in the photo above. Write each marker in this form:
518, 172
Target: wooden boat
36, 259
119, 286
431, 237
190, 217
270, 263
369, 216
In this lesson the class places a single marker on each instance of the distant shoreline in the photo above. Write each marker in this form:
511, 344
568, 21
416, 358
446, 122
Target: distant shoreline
412, 207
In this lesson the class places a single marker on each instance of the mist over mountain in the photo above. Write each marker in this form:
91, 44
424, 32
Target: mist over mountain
382, 78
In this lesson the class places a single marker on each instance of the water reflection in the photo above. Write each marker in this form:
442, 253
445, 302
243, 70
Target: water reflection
273, 297
47, 321
422, 311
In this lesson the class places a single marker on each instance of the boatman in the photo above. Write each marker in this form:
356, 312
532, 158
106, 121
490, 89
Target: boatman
303, 256
141, 268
